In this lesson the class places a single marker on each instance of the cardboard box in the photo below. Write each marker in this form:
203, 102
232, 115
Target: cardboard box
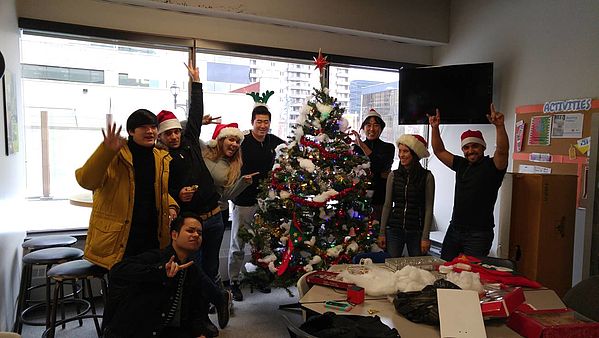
557, 323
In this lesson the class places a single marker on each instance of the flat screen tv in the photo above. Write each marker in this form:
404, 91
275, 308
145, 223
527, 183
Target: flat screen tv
463, 93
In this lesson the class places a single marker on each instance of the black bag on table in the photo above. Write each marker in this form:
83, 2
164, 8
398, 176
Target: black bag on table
421, 306
331, 325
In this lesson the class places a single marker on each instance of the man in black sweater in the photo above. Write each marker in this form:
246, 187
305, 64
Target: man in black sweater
258, 154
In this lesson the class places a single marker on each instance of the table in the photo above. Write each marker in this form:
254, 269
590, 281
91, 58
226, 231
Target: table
315, 297
82, 199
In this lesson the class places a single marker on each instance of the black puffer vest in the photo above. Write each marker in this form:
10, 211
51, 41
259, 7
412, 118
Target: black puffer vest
408, 198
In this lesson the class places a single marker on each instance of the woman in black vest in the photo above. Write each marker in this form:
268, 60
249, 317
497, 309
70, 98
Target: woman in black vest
408, 209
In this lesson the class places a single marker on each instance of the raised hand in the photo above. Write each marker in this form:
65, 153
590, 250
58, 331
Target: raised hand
171, 267
194, 72
112, 139
207, 119
496, 117
248, 178
435, 120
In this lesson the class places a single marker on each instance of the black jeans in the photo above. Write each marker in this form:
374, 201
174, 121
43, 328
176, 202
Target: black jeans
470, 242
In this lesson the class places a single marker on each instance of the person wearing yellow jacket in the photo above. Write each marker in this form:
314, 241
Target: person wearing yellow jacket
131, 208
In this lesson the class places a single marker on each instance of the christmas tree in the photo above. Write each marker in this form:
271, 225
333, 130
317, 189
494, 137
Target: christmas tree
314, 211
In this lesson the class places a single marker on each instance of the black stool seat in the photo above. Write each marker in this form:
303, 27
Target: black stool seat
52, 256
76, 270
49, 241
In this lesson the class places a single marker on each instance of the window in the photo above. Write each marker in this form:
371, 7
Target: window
359, 90
77, 83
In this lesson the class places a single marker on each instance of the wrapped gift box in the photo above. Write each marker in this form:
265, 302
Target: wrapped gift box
557, 323
328, 278
502, 302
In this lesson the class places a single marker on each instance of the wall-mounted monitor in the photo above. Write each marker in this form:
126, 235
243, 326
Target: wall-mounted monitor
463, 93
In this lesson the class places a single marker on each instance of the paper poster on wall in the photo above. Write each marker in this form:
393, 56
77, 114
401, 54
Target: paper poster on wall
584, 145
567, 125
540, 131
520, 126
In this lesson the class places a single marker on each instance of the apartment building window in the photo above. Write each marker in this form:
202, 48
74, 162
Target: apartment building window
44, 72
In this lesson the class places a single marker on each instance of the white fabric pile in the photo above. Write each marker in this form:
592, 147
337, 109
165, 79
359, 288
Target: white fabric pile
378, 281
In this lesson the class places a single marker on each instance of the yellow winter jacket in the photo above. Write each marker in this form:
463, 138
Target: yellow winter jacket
110, 176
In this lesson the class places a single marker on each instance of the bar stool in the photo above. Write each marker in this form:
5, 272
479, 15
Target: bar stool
72, 271
30, 245
47, 257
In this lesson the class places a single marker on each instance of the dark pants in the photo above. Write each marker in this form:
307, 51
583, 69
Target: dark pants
397, 238
209, 254
470, 242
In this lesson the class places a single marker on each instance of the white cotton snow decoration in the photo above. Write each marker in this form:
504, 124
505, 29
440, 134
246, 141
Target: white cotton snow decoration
379, 281
334, 251
352, 247
284, 194
315, 260
249, 267
267, 259
272, 194
343, 125
322, 137
271, 267
466, 280
311, 242
308, 268
306, 164
283, 239
279, 149
276, 166
324, 108
285, 225
325, 196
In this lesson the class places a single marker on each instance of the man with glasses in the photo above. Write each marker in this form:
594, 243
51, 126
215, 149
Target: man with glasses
380, 154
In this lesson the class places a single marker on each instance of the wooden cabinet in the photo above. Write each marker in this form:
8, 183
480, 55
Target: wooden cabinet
542, 228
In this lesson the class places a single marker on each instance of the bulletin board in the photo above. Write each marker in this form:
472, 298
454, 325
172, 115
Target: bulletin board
563, 147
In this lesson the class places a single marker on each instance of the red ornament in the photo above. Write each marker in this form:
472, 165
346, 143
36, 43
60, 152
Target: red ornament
320, 62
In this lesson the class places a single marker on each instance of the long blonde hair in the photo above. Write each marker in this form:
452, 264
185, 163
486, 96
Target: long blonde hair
235, 162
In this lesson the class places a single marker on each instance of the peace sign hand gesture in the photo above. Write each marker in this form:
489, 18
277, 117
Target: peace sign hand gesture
496, 117
172, 267
194, 72
112, 139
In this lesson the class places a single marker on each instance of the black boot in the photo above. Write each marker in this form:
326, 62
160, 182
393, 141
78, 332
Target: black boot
211, 329
236, 291
224, 309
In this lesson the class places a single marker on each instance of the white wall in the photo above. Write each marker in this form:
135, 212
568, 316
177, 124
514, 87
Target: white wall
12, 168
543, 50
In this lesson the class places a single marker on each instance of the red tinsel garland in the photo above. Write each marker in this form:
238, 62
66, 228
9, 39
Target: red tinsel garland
323, 152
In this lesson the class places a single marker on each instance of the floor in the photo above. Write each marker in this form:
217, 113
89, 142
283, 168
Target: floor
257, 316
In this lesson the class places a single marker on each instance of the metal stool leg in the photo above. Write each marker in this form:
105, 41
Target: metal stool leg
23, 296
87, 283
52, 326
74, 287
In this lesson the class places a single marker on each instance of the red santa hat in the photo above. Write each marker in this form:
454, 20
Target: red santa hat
473, 136
416, 143
225, 130
166, 121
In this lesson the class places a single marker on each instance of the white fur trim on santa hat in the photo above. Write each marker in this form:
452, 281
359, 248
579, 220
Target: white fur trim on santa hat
168, 124
226, 132
474, 140
413, 143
